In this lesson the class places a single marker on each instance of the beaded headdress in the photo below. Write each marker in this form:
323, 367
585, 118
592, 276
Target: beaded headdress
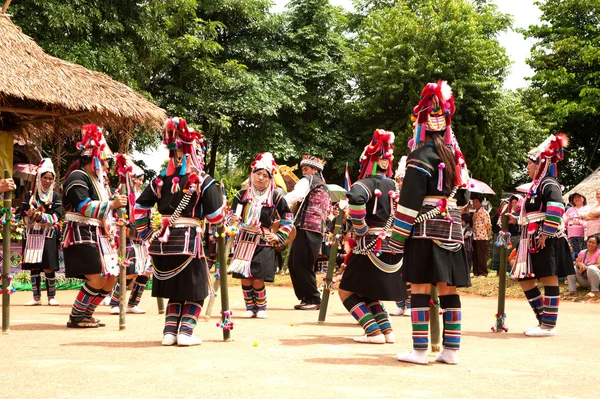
313, 161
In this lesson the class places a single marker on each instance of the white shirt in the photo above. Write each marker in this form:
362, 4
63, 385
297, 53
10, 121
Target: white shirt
300, 191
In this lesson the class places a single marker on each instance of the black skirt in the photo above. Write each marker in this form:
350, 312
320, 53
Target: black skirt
49, 257
262, 266
82, 259
365, 279
427, 263
191, 284
554, 260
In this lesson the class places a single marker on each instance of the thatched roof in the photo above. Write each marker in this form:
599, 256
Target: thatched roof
587, 187
37, 90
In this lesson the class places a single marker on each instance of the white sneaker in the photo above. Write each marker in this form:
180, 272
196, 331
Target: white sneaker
33, 302
248, 314
531, 328
374, 339
261, 314
188, 340
114, 310
448, 356
135, 310
414, 356
169, 339
105, 301
52, 302
390, 338
541, 332
397, 312
407, 312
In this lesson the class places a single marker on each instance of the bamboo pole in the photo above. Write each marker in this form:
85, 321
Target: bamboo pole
500, 316
122, 267
6, 260
222, 261
434, 320
160, 302
337, 227
6, 4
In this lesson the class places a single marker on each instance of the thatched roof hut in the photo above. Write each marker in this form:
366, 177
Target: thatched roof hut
587, 187
39, 92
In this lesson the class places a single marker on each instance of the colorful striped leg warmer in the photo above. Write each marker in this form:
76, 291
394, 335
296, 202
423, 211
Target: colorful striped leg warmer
115, 298
401, 304
551, 300
248, 293
95, 302
359, 310
36, 284
191, 312
51, 284
420, 321
452, 321
172, 317
260, 298
534, 296
138, 289
381, 315
84, 297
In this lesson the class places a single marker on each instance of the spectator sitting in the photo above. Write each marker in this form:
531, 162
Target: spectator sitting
587, 272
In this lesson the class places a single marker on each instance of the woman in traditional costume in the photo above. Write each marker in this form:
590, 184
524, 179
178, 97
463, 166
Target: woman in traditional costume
185, 196
257, 209
428, 227
42, 209
372, 271
88, 231
543, 252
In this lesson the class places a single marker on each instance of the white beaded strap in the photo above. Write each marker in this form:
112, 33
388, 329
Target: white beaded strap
437, 210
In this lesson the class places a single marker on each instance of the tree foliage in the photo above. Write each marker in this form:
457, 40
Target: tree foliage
565, 89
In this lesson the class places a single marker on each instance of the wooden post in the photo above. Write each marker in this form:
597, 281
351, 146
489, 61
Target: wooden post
434, 320
6, 259
500, 316
122, 267
222, 261
161, 305
337, 227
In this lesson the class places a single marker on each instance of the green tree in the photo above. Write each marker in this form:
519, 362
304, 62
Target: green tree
566, 83
315, 35
400, 48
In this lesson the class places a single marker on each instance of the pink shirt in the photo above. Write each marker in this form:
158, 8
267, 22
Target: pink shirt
592, 226
592, 260
576, 225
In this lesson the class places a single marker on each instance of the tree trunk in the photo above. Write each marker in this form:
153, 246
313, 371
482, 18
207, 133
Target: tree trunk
210, 166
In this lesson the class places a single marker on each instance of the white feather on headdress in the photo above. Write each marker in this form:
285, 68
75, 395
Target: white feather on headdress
446, 91
401, 171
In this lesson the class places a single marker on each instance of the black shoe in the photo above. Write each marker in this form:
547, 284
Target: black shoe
299, 306
308, 306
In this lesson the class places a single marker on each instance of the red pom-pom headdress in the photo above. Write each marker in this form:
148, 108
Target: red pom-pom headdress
381, 146
94, 146
547, 155
434, 111
178, 135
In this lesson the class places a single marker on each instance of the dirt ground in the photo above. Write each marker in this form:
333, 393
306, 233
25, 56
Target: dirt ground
290, 356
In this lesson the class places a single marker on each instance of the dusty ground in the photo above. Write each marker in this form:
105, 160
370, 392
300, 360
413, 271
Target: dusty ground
291, 356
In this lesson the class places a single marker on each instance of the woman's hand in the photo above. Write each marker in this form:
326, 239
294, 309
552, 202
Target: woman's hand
541, 242
511, 218
270, 237
581, 268
234, 219
119, 202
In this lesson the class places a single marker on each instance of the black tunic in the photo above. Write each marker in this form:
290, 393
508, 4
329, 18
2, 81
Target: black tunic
425, 261
361, 275
50, 259
263, 262
191, 283
555, 258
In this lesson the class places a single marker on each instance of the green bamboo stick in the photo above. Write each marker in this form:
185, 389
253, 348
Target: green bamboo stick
222, 258
434, 320
331, 267
500, 316
6, 259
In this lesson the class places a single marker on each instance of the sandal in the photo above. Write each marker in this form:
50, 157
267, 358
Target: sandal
592, 294
83, 323
94, 320
570, 293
